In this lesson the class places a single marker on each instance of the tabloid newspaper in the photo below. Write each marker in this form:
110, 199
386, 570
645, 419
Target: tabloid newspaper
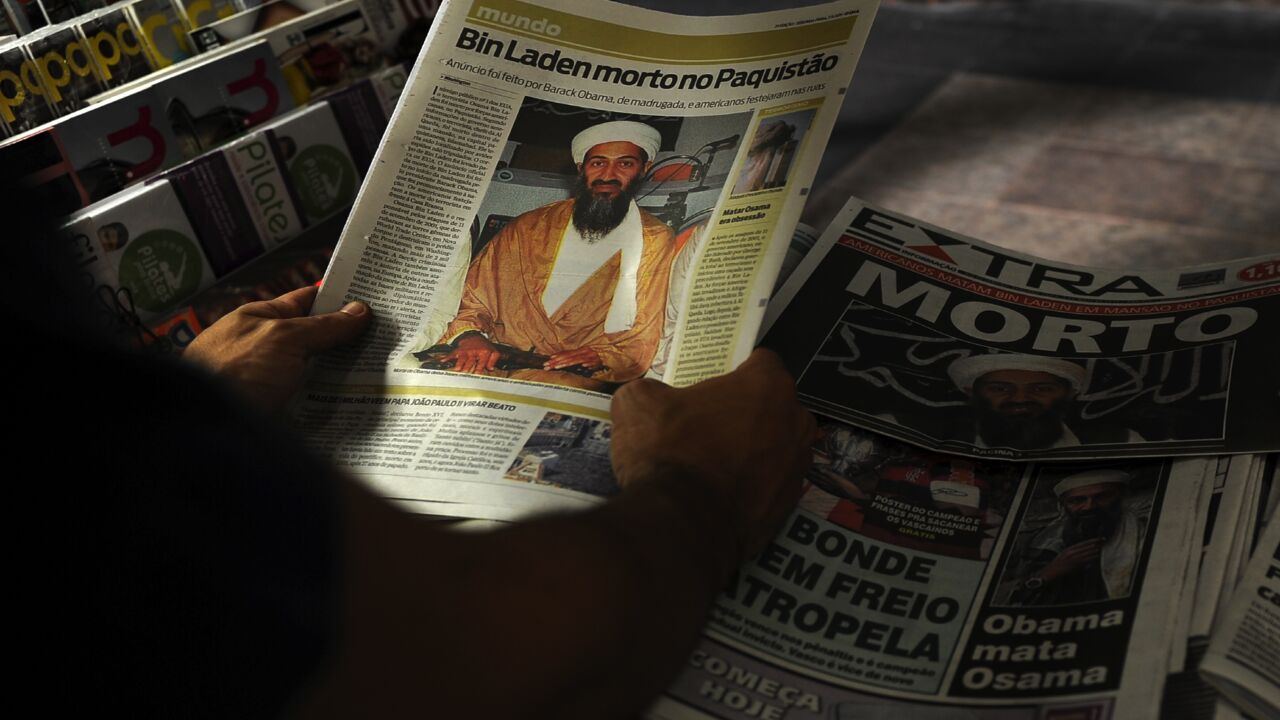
959, 346
912, 583
570, 195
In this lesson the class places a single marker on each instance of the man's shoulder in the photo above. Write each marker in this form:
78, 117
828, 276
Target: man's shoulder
653, 225
548, 212
531, 228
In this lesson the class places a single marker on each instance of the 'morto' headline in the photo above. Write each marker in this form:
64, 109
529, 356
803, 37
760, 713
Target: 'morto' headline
510, 50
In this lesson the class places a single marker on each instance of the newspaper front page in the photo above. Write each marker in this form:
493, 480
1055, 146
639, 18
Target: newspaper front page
571, 195
914, 584
959, 346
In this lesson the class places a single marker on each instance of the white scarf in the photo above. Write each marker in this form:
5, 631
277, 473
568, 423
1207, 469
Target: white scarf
578, 260
1119, 556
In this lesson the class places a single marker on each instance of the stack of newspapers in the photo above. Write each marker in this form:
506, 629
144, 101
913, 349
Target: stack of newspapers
1040, 491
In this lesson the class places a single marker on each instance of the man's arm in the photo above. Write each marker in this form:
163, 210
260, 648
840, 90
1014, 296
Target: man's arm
586, 615
1041, 577
576, 615
473, 324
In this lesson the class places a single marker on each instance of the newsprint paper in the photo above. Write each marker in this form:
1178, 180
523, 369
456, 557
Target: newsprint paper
915, 585
597, 193
911, 583
1243, 660
959, 346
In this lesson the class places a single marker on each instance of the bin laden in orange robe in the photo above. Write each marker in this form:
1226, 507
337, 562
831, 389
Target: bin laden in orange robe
583, 281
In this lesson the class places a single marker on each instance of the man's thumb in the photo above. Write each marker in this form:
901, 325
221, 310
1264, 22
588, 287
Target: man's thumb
329, 330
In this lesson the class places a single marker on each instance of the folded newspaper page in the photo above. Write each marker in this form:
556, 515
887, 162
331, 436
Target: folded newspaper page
1180, 631
910, 584
1221, 539
956, 345
1244, 654
1236, 483
571, 195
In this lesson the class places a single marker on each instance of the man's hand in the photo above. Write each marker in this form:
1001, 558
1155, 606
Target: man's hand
830, 480
619, 591
474, 354
586, 357
743, 434
263, 346
1072, 559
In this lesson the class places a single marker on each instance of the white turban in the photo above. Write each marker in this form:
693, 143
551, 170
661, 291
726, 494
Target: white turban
642, 136
1090, 477
965, 371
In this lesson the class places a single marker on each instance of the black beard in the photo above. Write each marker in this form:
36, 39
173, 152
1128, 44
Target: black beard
1090, 524
1020, 433
595, 215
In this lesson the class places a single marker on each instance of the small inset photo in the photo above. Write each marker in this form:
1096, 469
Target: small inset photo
896, 493
773, 150
569, 452
1084, 536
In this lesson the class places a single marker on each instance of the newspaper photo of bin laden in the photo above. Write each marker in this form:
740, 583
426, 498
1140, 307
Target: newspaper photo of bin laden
1089, 552
1022, 401
572, 293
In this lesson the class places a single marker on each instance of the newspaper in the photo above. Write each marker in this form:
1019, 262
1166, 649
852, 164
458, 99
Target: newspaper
960, 346
1228, 529
1230, 493
476, 226
1180, 638
1243, 661
913, 584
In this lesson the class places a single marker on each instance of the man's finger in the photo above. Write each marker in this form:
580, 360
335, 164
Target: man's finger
643, 390
329, 330
293, 304
576, 357
478, 361
563, 359
805, 426
763, 359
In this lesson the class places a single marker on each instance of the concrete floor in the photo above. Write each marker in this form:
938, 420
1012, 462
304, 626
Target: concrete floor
1123, 134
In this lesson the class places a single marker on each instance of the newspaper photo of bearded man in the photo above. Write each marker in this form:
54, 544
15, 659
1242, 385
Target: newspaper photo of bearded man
1022, 402
581, 281
1090, 550
573, 245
